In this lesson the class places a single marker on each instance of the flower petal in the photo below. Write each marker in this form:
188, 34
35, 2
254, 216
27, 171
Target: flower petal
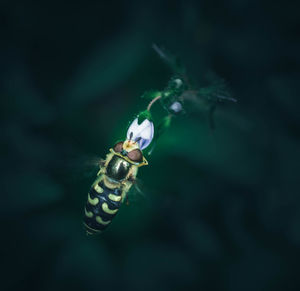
143, 133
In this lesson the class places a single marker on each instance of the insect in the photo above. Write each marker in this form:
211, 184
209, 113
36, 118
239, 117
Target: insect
116, 176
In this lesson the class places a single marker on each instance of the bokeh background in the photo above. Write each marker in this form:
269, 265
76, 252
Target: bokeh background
221, 208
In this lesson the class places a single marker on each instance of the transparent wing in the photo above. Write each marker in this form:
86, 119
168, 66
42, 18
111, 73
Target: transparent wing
137, 193
81, 167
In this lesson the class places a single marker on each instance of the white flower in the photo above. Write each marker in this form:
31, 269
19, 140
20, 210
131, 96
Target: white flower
142, 133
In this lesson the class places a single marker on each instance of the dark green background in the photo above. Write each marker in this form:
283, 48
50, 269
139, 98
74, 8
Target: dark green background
221, 210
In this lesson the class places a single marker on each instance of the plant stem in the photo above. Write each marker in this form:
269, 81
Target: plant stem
152, 102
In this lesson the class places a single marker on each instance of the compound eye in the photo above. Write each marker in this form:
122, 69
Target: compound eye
135, 156
118, 147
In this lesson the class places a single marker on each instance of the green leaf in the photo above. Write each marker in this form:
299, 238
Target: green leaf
151, 94
144, 115
164, 125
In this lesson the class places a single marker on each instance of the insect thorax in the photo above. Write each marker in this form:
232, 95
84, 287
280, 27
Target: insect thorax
118, 168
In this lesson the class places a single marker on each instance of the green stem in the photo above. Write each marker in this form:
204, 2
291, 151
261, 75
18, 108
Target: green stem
152, 102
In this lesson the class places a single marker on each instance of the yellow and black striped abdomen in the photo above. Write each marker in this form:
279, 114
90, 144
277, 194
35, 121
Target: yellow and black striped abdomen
102, 205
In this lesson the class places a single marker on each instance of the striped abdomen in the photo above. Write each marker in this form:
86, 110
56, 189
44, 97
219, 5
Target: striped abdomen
101, 207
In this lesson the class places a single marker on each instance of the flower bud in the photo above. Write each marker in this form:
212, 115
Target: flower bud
175, 107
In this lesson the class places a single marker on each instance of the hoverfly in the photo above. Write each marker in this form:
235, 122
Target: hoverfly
116, 176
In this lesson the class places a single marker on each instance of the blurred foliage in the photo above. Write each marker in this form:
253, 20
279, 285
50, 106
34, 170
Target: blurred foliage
222, 206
